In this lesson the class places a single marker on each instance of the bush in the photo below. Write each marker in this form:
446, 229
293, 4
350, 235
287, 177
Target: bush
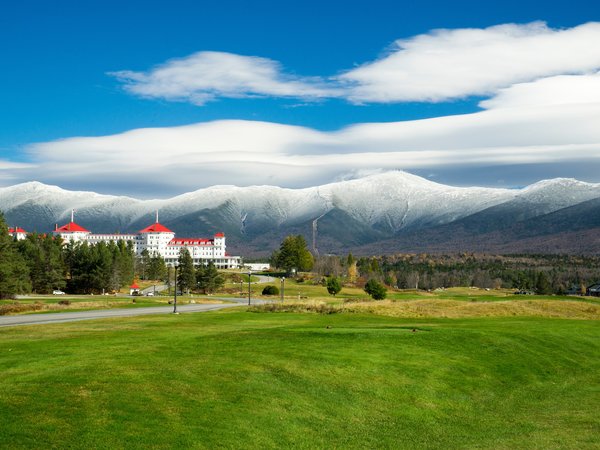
375, 289
64, 302
333, 286
270, 290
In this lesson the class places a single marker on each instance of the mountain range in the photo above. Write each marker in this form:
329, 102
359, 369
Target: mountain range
380, 214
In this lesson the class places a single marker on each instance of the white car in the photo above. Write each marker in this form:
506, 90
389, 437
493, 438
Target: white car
57, 292
149, 294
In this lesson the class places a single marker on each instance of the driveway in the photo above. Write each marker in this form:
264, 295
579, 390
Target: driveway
42, 318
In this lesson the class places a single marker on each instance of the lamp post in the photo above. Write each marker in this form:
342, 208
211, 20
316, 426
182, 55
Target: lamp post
282, 287
249, 275
175, 299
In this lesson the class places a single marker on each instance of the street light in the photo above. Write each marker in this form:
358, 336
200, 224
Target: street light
175, 300
249, 275
282, 287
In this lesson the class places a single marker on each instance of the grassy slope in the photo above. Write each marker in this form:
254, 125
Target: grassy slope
237, 379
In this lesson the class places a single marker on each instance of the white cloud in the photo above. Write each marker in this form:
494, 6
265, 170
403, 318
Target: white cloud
450, 64
542, 117
559, 90
204, 76
168, 160
442, 65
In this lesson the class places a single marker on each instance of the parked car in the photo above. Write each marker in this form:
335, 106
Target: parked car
149, 294
57, 292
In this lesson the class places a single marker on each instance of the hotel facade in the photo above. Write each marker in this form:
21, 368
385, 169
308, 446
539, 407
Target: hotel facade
156, 239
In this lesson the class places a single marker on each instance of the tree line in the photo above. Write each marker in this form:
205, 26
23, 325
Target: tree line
42, 263
542, 274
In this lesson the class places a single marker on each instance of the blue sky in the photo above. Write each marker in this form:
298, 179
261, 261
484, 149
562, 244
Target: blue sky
76, 75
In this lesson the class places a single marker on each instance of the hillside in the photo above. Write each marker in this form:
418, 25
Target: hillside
393, 211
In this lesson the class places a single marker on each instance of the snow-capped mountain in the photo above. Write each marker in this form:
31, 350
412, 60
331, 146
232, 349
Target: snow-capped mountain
335, 216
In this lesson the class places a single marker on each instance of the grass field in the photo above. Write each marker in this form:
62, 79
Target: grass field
238, 379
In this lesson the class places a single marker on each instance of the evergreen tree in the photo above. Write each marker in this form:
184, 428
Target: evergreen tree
44, 257
157, 268
333, 286
102, 267
14, 273
186, 276
542, 285
293, 254
209, 279
350, 260
375, 289
143, 263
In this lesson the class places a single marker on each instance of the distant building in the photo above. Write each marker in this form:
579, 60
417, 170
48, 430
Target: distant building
158, 240
593, 290
257, 266
17, 233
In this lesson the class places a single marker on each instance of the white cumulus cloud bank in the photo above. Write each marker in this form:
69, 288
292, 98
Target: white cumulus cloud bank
520, 129
441, 65
204, 76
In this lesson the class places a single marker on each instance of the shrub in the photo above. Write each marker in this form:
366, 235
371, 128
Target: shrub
333, 286
64, 302
270, 290
375, 289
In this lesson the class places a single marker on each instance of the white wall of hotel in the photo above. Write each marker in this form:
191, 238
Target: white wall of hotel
257, 266
166, 245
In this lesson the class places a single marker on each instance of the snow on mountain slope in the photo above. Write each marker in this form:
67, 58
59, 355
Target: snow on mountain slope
389, 201
559, 193
400, 200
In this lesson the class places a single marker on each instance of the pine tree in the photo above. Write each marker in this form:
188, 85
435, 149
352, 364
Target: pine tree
375, 289
293, 254
14, 273
542, 285
143, 264
209, 279
333, 286
350, 260
186, 276
44, 257
157, 268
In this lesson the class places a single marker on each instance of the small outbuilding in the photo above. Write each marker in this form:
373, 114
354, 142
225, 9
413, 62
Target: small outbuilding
593, 290
134, 289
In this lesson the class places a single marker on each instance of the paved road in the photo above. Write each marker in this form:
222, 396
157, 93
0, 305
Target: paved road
34, 319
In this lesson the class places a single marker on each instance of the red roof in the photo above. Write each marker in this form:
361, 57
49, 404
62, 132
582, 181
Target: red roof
156, 228
134, 286
220, 235
18, 230
71, 227
191, 241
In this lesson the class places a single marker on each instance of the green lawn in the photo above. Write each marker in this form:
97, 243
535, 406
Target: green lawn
237, 379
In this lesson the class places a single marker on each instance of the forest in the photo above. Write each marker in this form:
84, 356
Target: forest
540, 274
42, 263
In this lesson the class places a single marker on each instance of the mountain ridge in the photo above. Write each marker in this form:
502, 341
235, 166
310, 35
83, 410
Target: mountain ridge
340, 216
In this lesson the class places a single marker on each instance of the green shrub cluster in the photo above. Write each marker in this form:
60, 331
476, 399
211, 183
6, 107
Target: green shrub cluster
270, 290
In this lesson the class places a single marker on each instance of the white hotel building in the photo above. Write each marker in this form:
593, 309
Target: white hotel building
158, 240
